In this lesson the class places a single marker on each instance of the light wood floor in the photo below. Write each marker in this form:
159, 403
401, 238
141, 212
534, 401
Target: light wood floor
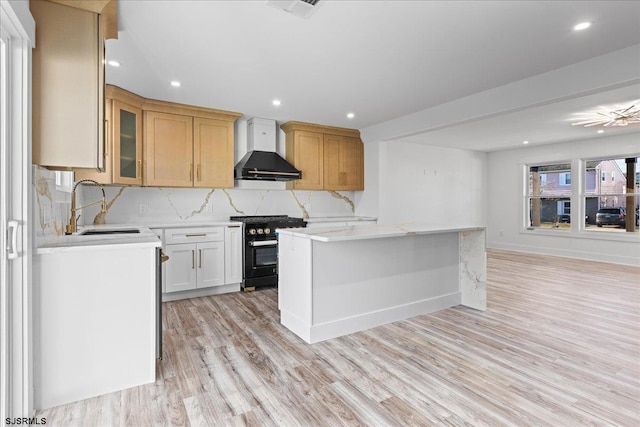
559, 345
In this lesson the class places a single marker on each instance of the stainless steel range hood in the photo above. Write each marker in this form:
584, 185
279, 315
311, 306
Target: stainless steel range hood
262, 162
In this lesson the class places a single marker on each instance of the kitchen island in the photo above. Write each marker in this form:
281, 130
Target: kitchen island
95, 319
337, 281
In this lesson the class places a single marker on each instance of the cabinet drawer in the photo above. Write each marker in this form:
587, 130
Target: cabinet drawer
193, 235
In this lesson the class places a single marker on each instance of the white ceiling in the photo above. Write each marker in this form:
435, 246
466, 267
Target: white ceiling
540, 125
378, 59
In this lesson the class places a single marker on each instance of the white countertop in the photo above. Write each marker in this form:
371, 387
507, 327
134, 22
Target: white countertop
340, 234
215, 223
340, 219
76, 241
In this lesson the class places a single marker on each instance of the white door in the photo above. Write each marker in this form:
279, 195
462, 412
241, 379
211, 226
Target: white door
7, 236
15, 199
210, 264
181, 267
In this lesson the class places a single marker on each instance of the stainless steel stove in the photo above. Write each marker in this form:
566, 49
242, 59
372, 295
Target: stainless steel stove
260, 248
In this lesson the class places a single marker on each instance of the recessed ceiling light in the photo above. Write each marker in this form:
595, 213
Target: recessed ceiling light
582, 26
600, 131
276, 102
113, 63
350, 116
525, 142
175, 83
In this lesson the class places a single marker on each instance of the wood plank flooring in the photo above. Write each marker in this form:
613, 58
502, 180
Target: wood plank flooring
559, 345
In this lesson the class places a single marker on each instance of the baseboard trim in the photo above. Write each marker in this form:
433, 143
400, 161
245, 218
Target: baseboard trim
194, 293
316, 333
589, 256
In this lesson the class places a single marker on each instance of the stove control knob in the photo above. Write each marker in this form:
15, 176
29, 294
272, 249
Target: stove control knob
260, 231
252, 231
267, 230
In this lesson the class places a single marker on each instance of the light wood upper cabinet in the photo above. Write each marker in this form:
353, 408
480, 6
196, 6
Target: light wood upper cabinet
123, 140
157, 143
213, 153
188, 146
330, 158
126, 142
104, 176
168, 142
305, 151
68, 87
343, 163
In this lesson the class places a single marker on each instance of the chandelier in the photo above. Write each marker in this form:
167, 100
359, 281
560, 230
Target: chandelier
610, 117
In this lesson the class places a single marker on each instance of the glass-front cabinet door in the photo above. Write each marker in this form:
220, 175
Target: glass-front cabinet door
127, 144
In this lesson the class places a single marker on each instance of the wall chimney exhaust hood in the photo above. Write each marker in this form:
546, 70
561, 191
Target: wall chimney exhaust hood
261, 161
299, 8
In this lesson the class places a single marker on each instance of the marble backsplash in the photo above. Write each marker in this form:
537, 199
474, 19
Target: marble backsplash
52, 194
153, 205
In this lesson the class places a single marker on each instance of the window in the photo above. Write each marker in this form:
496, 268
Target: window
607, 206
549, 199
602, 202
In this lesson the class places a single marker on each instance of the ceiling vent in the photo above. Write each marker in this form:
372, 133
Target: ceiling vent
299, 8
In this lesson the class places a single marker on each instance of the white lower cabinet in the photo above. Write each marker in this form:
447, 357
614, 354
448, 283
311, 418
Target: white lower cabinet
202, 261
194, 265
233, 254
180, 274
210, 270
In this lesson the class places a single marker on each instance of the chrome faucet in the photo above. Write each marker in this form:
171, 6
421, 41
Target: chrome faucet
72, 227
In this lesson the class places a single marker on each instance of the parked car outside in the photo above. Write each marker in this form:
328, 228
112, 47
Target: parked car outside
566, 219
612, 216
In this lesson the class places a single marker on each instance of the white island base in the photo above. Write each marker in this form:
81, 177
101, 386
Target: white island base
336, 282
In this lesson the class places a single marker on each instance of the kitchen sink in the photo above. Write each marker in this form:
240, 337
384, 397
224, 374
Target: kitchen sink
99, 232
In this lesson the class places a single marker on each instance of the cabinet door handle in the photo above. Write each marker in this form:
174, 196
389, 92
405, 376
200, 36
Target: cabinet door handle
196, 235
193, 259
139, 169
106, 137
200, 256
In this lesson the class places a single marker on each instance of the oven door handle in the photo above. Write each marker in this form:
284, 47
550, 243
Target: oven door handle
264, 243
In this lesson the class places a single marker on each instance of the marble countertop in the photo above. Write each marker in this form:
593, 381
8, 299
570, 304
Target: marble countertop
339, 234
76, 241
217, 223
340, 219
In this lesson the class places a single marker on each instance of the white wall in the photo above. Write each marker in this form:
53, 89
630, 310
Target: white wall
435, 185
367, 201
505, 203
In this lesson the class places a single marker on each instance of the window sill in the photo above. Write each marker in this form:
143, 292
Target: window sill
585, 234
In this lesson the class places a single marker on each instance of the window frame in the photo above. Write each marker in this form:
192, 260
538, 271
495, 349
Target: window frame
578, 199
526, 225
